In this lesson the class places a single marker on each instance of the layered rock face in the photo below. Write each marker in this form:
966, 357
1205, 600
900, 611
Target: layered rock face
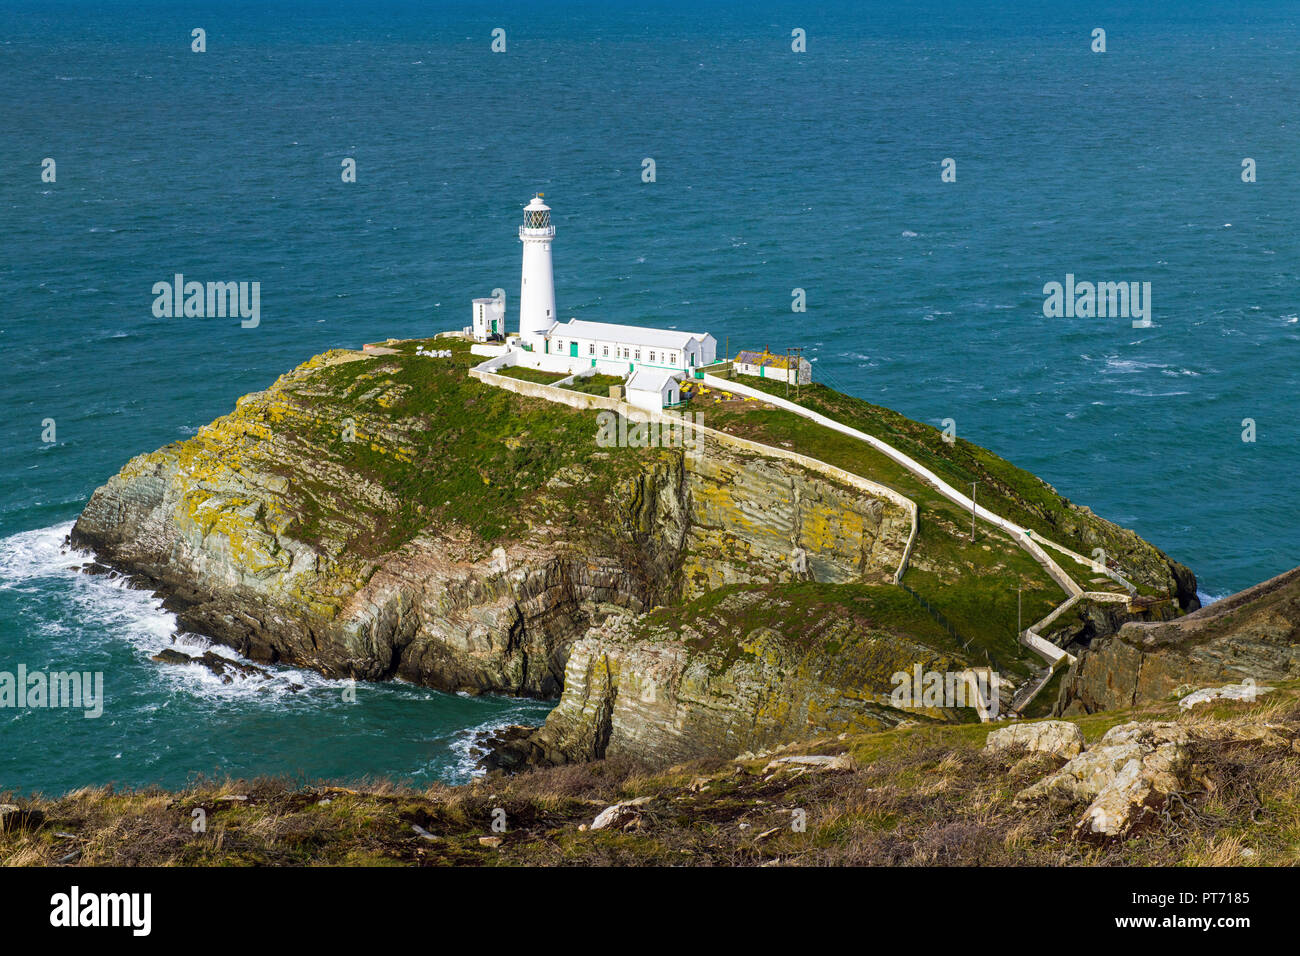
301, 528
1253, 634
744, 670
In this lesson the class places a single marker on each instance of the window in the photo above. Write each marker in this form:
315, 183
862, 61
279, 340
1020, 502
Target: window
673, 359
591, 349
604, 351
652, 356
638, 355
560, 345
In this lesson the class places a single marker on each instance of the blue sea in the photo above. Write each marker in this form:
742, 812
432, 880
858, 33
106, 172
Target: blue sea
774, 171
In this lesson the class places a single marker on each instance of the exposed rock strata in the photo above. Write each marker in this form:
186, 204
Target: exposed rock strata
744, 677
1252, 634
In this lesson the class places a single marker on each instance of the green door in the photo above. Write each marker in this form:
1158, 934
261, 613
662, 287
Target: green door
573, 350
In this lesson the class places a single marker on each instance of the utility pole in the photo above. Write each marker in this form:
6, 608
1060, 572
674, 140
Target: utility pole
972, 509
793, 364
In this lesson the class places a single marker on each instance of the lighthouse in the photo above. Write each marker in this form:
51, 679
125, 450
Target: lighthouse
537, 289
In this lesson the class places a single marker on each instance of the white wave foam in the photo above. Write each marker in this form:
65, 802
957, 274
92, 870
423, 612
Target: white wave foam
1119, 366
41, 561
468, 745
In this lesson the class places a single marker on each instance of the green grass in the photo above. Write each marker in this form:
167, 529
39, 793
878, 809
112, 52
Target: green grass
1011, 492
804, 611
532, 375
444, 448
597, 384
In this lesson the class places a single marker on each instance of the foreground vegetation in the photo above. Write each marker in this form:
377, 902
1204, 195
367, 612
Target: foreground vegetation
919, 795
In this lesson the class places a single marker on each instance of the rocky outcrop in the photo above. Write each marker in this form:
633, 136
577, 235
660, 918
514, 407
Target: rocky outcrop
1247, 691
1143, 772
1254, 634
387, 515
1059, 738
222, 667
328, 523
1127, 777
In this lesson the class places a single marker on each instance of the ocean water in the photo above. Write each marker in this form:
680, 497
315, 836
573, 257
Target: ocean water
774, 171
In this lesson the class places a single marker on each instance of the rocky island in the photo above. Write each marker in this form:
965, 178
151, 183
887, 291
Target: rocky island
384, 514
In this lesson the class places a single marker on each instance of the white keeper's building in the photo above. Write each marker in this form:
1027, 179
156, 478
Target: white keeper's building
631, 347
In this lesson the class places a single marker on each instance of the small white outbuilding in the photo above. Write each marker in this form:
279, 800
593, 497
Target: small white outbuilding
654, 389
489, 320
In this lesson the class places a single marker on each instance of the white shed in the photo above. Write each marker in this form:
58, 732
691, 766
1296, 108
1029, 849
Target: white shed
654, 389
489, 319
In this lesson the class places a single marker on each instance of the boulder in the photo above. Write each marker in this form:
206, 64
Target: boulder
1254, 634
1057, 737
1126, 777
621, 816
806, 762
1246, 690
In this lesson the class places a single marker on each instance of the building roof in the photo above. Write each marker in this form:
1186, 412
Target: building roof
652, 379
765, 358
631, 334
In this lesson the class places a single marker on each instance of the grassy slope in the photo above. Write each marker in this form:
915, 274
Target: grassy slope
922, 795
866, 633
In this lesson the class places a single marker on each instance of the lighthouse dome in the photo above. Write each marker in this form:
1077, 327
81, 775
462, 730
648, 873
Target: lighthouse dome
537, 215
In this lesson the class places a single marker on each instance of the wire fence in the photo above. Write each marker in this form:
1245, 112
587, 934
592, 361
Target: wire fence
947, 625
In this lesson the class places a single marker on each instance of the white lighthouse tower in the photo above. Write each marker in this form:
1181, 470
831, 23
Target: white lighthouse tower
537, 290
